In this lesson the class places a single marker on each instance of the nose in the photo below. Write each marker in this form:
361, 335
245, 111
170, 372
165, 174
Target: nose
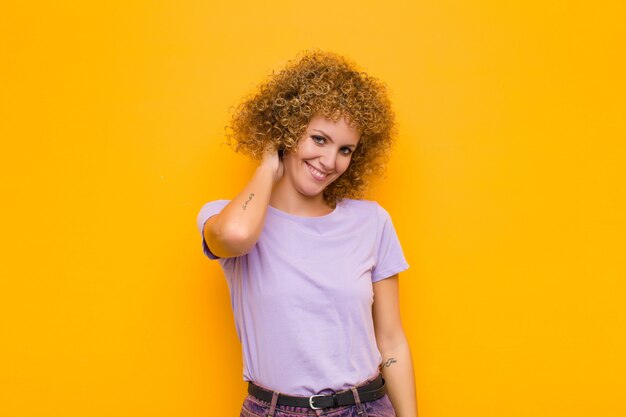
327, 159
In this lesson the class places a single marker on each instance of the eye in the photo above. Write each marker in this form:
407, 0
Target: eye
346, 151
320, 141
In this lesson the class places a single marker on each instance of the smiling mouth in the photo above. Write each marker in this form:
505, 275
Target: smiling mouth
317, 174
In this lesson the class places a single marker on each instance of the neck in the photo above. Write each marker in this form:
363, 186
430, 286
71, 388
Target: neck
286, 198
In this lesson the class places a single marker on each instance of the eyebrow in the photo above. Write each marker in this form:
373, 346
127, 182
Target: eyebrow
331, 139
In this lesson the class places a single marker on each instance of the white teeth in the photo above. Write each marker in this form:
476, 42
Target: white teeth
316, 172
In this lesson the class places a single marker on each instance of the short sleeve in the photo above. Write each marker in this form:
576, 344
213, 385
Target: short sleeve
390, 257
209, 209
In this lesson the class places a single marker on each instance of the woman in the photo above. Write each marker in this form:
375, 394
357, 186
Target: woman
311, 268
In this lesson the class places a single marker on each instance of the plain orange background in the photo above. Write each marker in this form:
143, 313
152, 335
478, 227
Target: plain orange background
506, 189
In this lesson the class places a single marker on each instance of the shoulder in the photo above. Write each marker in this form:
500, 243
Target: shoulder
216, 203
213, 206
208, 210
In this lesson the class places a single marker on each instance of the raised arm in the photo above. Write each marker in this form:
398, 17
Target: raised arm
234, 230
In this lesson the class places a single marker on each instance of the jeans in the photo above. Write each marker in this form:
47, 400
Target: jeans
253, 407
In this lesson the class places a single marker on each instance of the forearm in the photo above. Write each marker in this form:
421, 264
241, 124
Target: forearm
243, 218
397, 368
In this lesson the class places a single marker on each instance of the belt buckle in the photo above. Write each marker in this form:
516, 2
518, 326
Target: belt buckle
311, 402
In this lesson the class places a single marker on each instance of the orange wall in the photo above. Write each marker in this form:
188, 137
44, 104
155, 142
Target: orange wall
506, 188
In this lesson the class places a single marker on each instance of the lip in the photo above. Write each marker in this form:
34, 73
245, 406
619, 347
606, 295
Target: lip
314, 177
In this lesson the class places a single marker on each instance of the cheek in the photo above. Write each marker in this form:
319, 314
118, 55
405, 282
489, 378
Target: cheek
344, 164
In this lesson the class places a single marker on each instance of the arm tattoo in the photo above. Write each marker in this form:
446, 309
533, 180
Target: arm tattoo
249, 198
389, 361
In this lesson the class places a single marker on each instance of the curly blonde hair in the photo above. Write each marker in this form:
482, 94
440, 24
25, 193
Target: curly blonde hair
318, 83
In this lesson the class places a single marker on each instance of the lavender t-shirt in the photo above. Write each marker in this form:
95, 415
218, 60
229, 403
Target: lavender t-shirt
302, 296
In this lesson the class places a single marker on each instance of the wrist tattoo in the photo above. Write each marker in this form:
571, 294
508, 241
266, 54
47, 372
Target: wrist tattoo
249, 198
389, 362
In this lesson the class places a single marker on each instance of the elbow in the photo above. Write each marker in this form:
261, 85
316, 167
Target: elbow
231, 240
391, 342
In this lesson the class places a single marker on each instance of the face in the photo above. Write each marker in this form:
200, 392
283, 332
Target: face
323, 154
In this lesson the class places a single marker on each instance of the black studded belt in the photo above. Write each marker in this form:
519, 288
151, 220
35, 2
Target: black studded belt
370, 391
